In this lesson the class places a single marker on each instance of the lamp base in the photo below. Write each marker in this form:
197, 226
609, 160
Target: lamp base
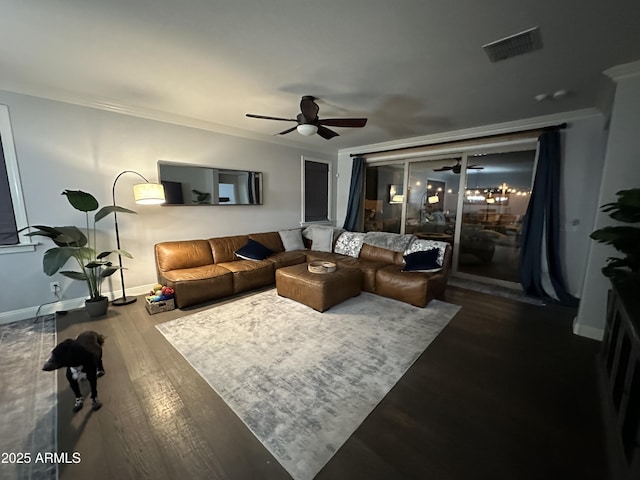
119, 302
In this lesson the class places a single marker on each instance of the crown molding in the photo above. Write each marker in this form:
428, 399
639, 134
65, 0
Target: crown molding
623, 71
475, 132
113, 106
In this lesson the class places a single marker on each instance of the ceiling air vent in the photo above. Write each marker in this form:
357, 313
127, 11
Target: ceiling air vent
514, 45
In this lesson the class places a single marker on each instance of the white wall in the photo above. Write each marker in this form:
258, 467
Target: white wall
61, 146
621, 171
584, 143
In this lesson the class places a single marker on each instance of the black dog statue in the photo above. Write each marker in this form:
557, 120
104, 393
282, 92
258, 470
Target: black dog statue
83, 359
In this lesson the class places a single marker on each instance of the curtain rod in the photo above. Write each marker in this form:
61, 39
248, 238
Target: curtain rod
560, 126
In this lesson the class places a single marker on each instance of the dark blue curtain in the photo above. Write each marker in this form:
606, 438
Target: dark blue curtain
541, 228
354, 208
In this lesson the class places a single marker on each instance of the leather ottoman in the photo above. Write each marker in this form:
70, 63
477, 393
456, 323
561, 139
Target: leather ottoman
319, 291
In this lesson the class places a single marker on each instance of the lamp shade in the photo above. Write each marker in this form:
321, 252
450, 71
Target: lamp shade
148, 193
307, 129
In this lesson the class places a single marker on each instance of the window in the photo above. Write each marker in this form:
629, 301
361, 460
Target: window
8, 229
13, 215
316, 191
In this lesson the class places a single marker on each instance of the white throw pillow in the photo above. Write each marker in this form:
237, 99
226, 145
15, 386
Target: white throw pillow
350, 243
322, 240
292, 239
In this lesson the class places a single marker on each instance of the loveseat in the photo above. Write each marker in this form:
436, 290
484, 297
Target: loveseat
204, 270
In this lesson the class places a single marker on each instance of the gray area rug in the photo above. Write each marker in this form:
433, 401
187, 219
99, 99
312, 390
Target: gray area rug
28, 398
303, 381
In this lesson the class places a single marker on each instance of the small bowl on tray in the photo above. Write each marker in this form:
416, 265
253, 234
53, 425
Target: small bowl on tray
321, 267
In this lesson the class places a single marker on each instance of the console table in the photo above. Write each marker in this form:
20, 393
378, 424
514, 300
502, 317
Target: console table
619, 368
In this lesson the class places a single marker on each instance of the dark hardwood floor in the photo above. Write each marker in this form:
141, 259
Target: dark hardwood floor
506, 391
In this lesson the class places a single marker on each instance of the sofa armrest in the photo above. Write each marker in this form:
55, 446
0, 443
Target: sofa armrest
379, 254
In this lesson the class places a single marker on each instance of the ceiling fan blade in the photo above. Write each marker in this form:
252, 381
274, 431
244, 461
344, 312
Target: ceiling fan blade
443, 169
301, 119
326, 133
344, 122
475, 167
265, 117
288, 130
309, 108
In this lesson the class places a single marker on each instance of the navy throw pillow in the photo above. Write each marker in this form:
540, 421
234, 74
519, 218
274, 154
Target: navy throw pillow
423, 261
253, 250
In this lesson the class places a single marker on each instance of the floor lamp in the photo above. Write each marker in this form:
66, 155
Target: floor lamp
144, 194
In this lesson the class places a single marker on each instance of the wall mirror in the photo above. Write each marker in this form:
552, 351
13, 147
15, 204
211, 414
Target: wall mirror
186, 184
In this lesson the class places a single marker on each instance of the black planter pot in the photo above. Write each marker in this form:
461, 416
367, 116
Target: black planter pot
96, 307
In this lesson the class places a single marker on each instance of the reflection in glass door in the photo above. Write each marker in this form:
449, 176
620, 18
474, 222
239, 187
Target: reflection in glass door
384, 198
432, 199
496, 196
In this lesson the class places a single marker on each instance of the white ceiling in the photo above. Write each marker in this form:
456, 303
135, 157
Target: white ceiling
411, 67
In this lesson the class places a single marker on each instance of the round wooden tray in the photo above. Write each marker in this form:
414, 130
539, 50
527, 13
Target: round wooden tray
321, 267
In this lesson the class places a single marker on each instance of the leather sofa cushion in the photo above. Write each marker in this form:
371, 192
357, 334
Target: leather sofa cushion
286, 259
416, 288
224, 248
379, 254
198, 284
195, 273
250, 274
271, 240
317, 256
182, 254
368, 269
237, 266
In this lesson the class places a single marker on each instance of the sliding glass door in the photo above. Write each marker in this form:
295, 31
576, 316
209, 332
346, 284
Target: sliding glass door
496, 196
474, 200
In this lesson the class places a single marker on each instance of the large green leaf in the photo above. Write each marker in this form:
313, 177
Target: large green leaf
55, 258
70, 236
621, 237
627, 208
107, 272
97, 264
630, 197
86, 253
44, 231
83, 201
104, 211
74, 275
122, 253
61, 236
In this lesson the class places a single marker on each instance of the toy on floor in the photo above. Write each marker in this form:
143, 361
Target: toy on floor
160, 293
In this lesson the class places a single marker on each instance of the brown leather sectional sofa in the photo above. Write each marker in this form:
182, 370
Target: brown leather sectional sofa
204, 270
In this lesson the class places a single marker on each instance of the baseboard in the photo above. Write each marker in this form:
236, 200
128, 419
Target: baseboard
64, 304
587, 331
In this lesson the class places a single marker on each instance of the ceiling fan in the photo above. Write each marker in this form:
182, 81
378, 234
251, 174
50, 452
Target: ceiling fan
309, 123
457, 167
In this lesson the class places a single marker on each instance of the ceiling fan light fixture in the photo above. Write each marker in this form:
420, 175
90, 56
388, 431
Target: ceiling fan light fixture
307, 129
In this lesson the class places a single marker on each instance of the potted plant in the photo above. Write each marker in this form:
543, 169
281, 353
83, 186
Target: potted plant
73, 243
625, 239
